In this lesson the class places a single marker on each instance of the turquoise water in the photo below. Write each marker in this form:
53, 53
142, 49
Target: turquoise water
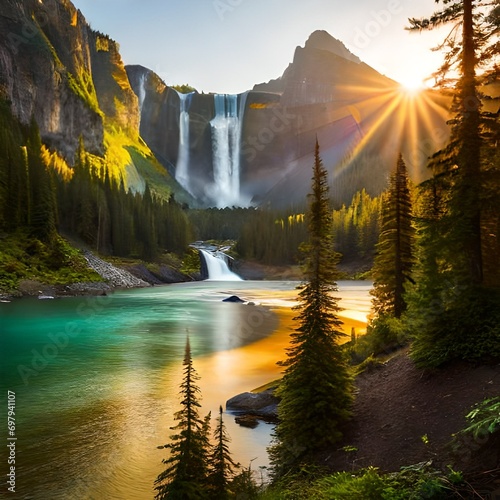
96, 382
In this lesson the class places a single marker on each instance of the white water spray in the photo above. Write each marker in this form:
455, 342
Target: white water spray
226, 148
182, 165
142, 92
217, 267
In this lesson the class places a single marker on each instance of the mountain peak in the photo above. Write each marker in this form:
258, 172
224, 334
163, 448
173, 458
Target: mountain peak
322, 40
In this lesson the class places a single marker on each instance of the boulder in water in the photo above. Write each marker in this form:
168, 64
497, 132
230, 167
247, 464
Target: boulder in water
250, 406
233, 298
250, 421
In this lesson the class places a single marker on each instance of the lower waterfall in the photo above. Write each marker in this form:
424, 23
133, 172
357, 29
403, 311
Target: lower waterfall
217, 268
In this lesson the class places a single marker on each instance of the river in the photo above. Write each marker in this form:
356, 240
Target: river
96, 379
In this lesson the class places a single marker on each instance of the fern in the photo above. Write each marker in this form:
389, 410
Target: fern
484, 418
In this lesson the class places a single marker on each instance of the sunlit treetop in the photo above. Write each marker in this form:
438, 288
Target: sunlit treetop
486, 21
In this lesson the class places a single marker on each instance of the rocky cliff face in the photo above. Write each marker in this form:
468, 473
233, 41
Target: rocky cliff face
160, 110
115, 95
54, 68
160, 107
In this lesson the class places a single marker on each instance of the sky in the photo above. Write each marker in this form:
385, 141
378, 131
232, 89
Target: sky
227, 46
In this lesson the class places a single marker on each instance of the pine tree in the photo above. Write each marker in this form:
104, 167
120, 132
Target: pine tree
454, 310
222, 466
431, 254
146, 226
393, 262
185, 475
316, 388
14, 189
42, 209
473, 46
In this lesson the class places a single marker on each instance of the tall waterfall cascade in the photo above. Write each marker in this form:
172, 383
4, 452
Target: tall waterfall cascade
142, 92
217, 267
182, 165
226, 149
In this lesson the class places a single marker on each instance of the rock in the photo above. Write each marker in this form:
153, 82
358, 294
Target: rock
169, 275
141, 272
252, 401
38, 86
115, 276
251, 421
158, 276
253, 406
83, 289
233, 298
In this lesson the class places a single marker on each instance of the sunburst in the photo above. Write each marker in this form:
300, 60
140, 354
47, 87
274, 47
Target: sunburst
408, 118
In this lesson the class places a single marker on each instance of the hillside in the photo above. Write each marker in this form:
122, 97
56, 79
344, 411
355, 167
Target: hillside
404, 416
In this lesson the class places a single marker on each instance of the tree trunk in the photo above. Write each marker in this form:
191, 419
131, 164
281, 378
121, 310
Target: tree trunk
470, 153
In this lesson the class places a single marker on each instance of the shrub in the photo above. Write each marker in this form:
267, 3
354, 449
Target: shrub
369, 485
467, 330
384, 335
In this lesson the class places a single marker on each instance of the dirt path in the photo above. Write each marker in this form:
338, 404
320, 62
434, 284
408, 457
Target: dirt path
403, 416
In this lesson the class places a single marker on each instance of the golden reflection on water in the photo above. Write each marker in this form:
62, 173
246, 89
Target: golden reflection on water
227, 373
145, 406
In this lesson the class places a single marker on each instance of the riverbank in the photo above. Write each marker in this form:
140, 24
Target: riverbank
112, 278
30, 268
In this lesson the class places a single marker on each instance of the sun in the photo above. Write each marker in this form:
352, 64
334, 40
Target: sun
412, 85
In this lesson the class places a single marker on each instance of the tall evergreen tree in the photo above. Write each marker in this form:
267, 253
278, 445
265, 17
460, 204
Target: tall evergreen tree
472, 44
185, 475
42, 207
453, 315
393, 262
431, 255
14, 189
221, 464
316, 387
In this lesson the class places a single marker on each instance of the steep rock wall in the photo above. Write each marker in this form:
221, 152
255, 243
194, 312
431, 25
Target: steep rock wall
115, 95
159, 113
56, 69
159, 126
45, 72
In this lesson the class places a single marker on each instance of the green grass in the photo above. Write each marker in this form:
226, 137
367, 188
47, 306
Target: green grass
416, 482
54, 263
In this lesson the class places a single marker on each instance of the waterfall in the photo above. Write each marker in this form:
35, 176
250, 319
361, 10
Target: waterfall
217, 267
182, 165
142, 91
226, 146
